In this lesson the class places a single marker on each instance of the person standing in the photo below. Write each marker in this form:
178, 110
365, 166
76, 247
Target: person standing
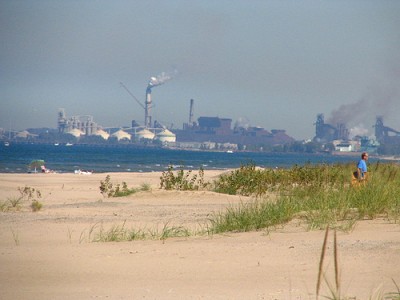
362, 169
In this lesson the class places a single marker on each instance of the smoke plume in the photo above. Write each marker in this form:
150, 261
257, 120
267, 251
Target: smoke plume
161, 79
380, 100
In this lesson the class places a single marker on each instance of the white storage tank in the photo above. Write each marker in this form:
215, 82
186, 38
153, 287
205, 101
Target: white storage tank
166, 136
121, 135
144, 134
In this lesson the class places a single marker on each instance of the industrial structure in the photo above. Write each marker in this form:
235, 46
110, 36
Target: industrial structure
83, 123
326, 132
384, 134
205, 130
80, 126
219, 130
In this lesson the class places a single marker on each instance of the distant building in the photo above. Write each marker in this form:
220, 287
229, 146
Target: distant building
327, 132
83, 123
384, 134
218, 130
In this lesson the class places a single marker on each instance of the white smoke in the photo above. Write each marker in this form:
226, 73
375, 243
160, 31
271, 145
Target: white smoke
161, 79
358, 130
242, 122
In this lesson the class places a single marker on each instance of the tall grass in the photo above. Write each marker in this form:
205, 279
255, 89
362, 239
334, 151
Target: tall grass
320, 194
119, 233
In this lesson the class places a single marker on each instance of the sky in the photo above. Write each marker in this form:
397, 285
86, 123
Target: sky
273, 64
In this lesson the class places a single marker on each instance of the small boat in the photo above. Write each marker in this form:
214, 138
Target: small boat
68, 144
6, 144
229, 151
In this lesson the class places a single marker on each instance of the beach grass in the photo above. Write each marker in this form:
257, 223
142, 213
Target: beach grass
110, 189
119, 233
320, 195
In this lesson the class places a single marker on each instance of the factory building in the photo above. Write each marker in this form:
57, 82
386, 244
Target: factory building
214, 125
326, 132
218, 130
384, 134
85, 123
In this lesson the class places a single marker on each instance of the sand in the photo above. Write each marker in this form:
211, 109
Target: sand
50, 254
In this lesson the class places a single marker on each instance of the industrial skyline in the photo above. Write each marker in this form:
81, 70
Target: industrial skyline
273, 64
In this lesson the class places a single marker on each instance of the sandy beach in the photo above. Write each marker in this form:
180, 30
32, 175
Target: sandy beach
50, 254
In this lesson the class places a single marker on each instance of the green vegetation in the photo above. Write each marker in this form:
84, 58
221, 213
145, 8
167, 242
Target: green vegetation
109, 189
26, 194
36, 205
320, 194
181, 180
119, 233
317, 195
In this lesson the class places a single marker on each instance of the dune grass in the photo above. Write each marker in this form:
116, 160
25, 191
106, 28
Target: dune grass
26, 194
119, 233
320, 194
109, 189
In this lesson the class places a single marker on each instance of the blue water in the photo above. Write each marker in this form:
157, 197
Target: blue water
16, 157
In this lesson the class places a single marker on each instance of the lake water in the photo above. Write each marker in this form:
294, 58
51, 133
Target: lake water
15, 158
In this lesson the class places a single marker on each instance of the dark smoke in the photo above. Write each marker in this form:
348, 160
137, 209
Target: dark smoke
350, 113
380, 100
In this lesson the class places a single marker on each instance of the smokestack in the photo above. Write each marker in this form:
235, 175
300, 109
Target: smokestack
154, 81
147, 108
191, 112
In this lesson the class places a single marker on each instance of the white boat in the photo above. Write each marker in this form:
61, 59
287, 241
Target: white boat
6, 144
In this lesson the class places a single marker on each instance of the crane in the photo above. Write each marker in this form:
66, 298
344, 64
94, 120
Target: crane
132, 95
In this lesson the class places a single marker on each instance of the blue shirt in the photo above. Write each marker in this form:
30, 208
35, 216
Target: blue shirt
362, 165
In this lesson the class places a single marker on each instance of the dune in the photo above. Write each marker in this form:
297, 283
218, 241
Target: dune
50, 254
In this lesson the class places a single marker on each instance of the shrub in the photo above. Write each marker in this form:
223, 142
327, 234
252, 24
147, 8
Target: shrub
181, 180
108, 189
36, 205
25, 194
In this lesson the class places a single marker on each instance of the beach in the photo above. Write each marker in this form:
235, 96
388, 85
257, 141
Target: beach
51, 253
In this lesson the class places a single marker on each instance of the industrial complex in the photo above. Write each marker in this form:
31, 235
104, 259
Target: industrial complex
206, 132
338, 136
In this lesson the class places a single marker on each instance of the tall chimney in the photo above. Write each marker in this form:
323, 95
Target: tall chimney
191, 112
154, 81
147, 109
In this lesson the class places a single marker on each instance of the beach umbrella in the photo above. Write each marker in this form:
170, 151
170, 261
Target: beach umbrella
37, 163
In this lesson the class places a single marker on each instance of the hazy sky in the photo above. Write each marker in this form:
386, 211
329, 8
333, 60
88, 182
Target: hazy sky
274, 64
